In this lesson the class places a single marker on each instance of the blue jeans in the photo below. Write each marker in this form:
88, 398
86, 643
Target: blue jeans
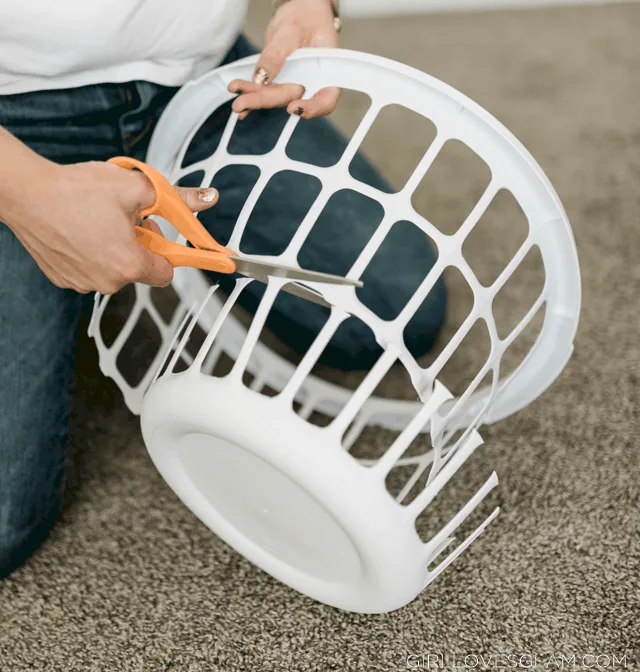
39, 321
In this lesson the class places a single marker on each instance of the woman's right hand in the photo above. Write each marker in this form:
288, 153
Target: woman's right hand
77, 222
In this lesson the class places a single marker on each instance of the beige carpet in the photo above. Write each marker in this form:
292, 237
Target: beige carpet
130, 580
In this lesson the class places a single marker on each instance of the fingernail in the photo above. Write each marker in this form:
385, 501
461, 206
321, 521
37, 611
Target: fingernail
261, 76
207, 194
298, 111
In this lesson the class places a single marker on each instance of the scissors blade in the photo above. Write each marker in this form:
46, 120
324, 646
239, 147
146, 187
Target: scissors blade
299, 291
295, 289
256, 268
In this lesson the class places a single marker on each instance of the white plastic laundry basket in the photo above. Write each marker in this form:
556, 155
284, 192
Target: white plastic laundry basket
241, 448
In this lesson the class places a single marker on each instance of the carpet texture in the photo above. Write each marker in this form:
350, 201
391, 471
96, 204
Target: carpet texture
130, 580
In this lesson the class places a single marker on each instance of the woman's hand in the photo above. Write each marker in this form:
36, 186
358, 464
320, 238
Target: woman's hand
296, 24
77, 221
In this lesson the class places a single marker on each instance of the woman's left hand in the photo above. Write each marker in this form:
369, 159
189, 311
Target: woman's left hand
296, 24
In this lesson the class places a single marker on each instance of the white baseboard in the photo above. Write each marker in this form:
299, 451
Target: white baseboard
364, 8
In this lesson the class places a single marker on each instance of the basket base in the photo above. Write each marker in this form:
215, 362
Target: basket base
283, 493
268, 508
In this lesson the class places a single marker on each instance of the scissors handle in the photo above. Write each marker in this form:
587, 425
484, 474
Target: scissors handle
181, 255
171, 207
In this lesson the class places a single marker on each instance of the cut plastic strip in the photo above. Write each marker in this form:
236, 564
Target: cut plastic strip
439, 550
422, 501
273, 287
187, 331
426, 413
180, 352
423, 461
460, 549
452, 427
96, 314
217, 325
463, 514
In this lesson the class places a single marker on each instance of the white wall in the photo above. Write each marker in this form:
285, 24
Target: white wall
361, 8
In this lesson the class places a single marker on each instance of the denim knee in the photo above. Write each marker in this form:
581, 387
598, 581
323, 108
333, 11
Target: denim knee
38, 334
18, 542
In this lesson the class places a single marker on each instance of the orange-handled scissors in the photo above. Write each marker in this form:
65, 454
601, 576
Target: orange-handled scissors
207, 254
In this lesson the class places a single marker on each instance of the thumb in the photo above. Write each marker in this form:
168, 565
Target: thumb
198, 199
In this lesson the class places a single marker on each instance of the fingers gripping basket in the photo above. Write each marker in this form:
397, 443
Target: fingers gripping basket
287, 493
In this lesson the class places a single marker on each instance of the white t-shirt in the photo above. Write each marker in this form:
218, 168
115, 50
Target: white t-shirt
57, 44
